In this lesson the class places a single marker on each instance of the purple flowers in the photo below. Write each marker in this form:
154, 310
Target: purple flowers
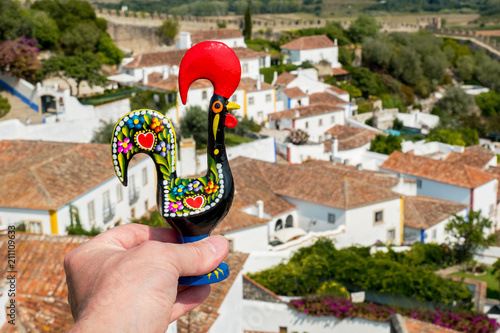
194, 186
162, 148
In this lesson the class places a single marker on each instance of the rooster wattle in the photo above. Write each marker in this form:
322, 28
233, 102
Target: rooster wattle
193, 207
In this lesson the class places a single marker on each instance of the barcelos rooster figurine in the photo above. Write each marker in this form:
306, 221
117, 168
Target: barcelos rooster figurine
192, 207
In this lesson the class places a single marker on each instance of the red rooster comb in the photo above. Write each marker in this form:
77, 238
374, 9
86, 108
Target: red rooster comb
213, 61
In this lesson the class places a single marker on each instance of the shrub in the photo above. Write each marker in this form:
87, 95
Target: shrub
4, 106
297, 137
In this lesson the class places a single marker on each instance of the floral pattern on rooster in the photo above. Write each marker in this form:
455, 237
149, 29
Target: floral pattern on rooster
150, 132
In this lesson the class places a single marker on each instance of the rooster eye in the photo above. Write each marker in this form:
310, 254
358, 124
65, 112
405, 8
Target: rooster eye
217, 107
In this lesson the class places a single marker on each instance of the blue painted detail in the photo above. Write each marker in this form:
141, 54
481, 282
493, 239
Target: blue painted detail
205, 279
275, 151
289, 103
18, 94
190, 239
422, 236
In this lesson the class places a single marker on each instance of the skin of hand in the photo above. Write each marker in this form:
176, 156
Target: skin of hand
126, 279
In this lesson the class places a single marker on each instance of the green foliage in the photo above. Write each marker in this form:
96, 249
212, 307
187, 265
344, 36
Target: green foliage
364, 26
235, 140
368, 82
269, 71
245, 126
110, 54
104, 134
489, 103
456, 101
263, 45
76, 228
465, 67
377, 52
80, 38
4, 106
386, 144
45, 29
200, 8
333, 288
397, 125
168, 30
448, 136
311, 266
391, 102
353, 91
154, 220
194, 123
14, 21
151, 99
469, 233
248, 23
346, 57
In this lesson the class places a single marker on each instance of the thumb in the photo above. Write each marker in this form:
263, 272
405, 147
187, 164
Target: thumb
200, 257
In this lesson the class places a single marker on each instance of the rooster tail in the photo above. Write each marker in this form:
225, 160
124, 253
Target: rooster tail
144, 131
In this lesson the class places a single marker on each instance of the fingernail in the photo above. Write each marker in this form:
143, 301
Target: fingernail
216, 243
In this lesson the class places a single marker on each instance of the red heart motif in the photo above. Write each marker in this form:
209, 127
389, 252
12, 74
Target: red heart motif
195, 202
146, 140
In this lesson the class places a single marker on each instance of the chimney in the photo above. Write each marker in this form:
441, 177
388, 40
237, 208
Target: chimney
335, 146
184, 40
335, 41
164, 75
144, 76
260, 209
259, 86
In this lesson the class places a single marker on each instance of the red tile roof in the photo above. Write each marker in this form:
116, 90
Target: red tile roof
475, 156
337, 90
246, 53
339, 71
251, 85
155, 80
294, 92
326, 98
305, 111
309, 43
47, 175
203, 317
215, 34
350, 137
170, 57
284, 79
424, 212
450, 173
42, 293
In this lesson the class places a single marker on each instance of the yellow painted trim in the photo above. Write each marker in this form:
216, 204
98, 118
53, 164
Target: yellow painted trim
402, 221
177, 110
53, 222
274, 100
245, 100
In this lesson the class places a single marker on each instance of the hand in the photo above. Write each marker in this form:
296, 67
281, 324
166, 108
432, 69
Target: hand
125, 279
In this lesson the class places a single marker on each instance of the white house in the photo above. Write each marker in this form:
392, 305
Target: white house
475, 156
230, 37
425, 219
455, 182
313, 119
305, 79
42, 180
292, 97
335, 96
418, 121
251, 62
313, 49
257, 99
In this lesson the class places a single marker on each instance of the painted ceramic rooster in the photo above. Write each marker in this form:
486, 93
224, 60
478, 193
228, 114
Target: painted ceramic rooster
193, 207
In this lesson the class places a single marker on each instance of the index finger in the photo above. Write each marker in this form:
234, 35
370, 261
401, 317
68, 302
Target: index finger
131, 235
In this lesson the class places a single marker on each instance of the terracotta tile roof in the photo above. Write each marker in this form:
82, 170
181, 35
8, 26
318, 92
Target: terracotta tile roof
41, 293
246, 53
284, 79
350, 137
170, 57
424, 212
309, 43
238, 220
339, 71
495, 172
325, 188
215, 34
155, 80
203, 317
337, 90
475, 156
450, 173
251, 85
52, 174
294, 92
305, 111
326, 98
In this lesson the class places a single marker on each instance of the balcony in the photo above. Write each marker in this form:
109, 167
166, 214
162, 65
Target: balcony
108, 213
133, 196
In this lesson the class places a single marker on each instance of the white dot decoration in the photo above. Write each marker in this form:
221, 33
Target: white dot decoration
125, 118
115, 162
122, 123
115, 139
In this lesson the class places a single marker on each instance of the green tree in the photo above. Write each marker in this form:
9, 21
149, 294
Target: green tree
465, 67
154, 220
14, 21
470, 233
377, 52
406, 65
83, 37
194, 123
110, 54
364, 26
386, 144
45, 29
248, 23
76, 228
20, 58
4, 106
489, 103
368, 82
448, 136
397, 125
104, 134
456, 101
168, 30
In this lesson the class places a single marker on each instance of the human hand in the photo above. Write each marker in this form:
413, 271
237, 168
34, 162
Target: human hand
125, 279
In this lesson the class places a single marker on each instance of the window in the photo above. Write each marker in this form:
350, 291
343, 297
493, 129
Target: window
119, 222
279, 225
332, 119
268, 97
391, 235
331, 218
419, 183
106, 200
307, 124
146, 205
250, 100
320, 138
144, 176
289, 221
91, 211
320, 122
132, 212
204, 94
245, 68
379, 216
35, 227
234, 99
260, 115
119, 193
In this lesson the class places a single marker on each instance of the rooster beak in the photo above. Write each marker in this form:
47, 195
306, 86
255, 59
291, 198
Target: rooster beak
232, 106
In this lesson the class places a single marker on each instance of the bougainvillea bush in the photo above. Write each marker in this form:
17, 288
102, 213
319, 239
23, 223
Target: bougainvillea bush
343, 308
298, 137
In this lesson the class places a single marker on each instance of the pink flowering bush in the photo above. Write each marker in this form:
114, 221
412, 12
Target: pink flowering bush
297, 137
344, 308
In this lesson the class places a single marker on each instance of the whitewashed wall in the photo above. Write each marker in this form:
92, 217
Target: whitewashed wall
310, 212
14, 216
261, 107
20, 88
299, 153
249, 239
485, 198
252, 67
437, 233
352, 156
231, 310
314, 129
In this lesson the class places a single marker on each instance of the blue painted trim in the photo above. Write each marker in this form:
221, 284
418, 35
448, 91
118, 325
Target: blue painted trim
14, 92
275, 151
289, 103
190, 239
422, 236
